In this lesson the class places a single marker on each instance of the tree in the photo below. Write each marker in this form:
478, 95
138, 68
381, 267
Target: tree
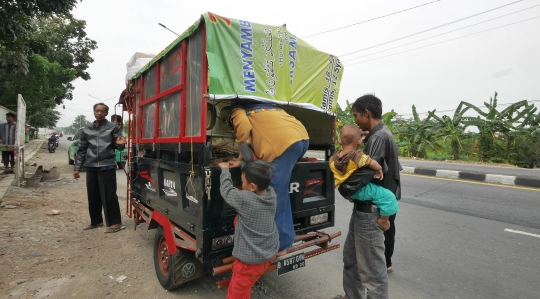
80, 121
16, 27
416, 135
452, 129
56, 52
46, 118
388, 119
67, 42
44, 82
497, 123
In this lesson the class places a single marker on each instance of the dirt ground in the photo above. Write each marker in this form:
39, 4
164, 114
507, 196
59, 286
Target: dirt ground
44, 256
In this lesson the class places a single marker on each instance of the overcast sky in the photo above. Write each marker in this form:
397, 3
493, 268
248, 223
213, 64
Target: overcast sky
506, 60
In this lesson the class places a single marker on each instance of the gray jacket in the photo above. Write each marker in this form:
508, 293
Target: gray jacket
97, 145
381, 146
256, 238
7, 133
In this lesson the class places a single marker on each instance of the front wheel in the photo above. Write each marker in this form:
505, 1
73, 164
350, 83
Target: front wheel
174, 270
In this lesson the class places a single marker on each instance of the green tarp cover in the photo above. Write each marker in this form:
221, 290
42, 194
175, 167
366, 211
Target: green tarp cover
267, 63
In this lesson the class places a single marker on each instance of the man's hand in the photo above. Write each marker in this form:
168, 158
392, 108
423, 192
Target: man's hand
378, 174
76, 174
240, 156
121, 140
384, 223
234, 163
223, 165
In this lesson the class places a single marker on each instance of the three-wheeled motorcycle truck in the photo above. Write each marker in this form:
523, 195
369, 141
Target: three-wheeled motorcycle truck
177, 105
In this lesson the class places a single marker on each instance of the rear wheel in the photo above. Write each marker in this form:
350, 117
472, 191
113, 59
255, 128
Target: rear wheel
174, 270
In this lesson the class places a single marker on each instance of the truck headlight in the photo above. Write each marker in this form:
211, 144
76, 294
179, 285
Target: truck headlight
316, 219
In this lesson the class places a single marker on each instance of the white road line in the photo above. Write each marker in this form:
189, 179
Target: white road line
520, 232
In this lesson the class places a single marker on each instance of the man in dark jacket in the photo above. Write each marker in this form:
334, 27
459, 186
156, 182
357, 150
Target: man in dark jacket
365, 260
96, 152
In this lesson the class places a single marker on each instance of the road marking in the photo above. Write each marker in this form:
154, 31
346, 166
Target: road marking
471, 182
408, 169
451, 174
501, 179
520, 232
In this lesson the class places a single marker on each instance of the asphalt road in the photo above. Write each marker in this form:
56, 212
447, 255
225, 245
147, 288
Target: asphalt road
514, 171
471, 168
451, 243
455, 239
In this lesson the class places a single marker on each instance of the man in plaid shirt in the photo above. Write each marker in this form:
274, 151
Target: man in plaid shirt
256, 238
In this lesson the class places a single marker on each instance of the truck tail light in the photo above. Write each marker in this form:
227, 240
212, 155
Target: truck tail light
316, 219
222, 242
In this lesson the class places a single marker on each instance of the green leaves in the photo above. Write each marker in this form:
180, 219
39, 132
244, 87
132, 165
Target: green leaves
510, 135
43, 48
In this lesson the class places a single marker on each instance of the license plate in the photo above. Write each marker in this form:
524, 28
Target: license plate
291, 263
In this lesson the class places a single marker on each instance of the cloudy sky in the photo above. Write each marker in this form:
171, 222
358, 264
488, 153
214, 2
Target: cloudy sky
400, 58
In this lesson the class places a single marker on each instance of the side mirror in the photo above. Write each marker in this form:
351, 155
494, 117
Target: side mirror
70, 139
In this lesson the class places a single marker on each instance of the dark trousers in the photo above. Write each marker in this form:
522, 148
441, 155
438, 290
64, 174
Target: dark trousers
389, 240
101, 189
8, 156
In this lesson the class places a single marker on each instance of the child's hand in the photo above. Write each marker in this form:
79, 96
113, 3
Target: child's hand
378, 174
384, 223
223, 165
234, 163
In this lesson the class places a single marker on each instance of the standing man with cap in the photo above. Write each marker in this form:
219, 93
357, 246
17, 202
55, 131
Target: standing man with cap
96, 152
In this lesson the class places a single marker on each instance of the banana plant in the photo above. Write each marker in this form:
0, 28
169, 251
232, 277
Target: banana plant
493, 124
417, 135
388, 119
452, 129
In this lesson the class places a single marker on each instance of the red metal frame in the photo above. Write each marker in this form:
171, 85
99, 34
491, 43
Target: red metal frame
169, 229
135, 113
183, 98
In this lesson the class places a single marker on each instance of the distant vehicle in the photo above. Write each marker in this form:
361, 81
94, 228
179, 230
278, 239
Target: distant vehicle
121, 156
52, 144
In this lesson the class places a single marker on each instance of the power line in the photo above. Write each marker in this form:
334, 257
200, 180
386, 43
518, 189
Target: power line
424, 31
371, 19
451, 110
440, 34
445, 41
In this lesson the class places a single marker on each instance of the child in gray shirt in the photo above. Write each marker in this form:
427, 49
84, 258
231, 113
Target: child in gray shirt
256, 238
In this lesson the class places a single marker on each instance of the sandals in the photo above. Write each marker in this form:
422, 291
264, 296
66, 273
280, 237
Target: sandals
114, 229
90, 226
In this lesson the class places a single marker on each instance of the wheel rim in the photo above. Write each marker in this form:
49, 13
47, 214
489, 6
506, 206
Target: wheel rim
164, 257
